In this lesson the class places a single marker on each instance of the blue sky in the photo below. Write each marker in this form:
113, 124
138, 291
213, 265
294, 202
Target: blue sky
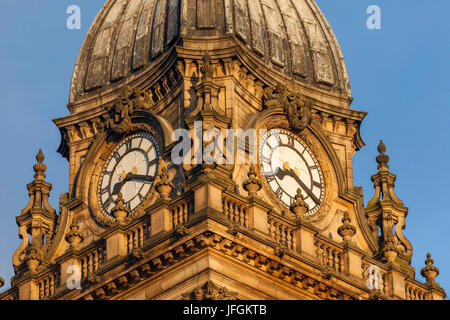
399, 74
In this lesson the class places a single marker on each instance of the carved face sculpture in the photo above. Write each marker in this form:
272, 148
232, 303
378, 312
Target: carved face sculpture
289, 165
130, 170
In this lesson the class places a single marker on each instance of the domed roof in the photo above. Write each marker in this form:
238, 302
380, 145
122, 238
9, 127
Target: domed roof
291, 37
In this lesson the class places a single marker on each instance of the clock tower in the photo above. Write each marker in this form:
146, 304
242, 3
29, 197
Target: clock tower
210, 146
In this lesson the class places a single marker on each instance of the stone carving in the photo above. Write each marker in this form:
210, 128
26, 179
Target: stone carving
346, 230
210, 291
74, 237
120, 211
296, 105
299, 207
429, 272
386, 212
164, 186
121, 109
252, 185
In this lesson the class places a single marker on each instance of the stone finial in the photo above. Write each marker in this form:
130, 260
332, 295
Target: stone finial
164, 186
299, 207
252, 185
390, 251
2, 282
74, 237
382, 159
40, 167
429, 272
33, 258
120, 211
346, 230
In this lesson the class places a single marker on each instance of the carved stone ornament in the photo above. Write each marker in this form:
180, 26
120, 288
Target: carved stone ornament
299, 207
137, 253
252, 185
120, 211
33, 258
74, 237
164, 186
296, 105
181, 230
210, 291
121, 109
346, 230
429, 272
2, 282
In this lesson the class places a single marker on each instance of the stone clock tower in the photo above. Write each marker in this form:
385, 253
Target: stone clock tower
284, 223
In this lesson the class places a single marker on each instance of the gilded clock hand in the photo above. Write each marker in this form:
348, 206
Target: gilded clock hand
281, 174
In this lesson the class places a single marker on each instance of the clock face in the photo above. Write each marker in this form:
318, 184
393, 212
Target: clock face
288, 165
130, 169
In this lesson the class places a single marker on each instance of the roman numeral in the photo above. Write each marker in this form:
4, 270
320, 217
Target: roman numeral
107, 203
291, 141
153, 162
266, 160
270, 178
313, 167
104, 190
128, 144
116, 156
279, 192
317, 184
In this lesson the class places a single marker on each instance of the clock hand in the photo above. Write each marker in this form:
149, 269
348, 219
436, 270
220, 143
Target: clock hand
141, 177
281, 174
130, 176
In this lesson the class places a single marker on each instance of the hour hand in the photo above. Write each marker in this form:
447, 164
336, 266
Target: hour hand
129, 177
140, 177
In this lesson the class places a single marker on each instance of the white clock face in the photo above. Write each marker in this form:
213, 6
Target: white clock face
130, 169
288, 165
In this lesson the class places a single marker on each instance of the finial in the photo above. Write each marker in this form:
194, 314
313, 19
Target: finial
299, 207
33, 258
40, 167
74, 237
164, 186
382, 159
2, 282
120, 211
252, 185
390, 251
346, 230
429, 272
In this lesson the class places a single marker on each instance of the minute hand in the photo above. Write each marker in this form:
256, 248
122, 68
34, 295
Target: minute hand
283, 173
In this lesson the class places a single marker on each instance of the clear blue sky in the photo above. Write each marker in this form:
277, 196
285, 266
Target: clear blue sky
398, 74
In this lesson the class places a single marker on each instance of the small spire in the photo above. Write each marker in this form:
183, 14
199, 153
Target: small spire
299, 207
429, 272
346, 230
382, 159
252, 185
40, 167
